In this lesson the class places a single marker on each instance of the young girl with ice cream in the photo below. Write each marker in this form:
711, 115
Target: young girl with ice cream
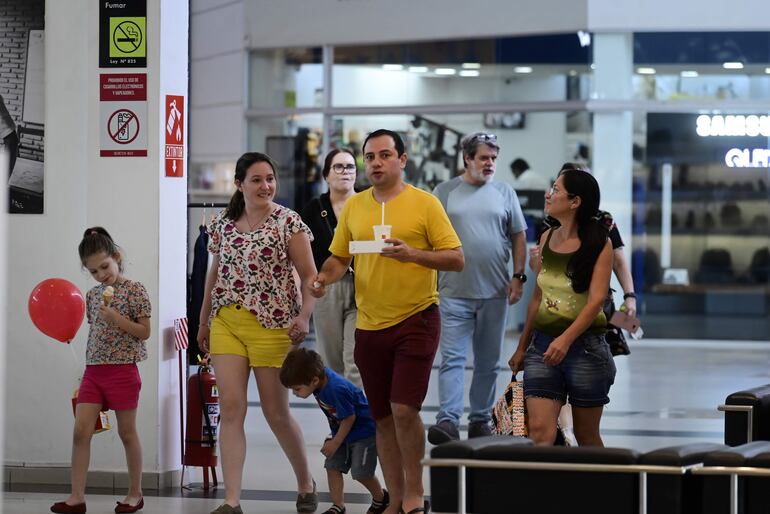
118, 311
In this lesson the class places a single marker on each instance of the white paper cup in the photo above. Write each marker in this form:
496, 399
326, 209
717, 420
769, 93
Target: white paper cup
381, 232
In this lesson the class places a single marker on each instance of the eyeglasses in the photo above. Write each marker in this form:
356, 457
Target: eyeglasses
344, 168
553, 190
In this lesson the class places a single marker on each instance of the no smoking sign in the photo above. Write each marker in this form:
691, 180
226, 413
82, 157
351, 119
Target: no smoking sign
123, 115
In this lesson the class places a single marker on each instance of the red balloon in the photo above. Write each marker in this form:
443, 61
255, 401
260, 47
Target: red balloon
57, 308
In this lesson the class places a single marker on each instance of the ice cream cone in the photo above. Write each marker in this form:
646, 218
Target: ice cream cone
107, 295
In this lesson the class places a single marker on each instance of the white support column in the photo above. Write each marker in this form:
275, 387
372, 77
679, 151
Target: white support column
613, 131
172, 79
146, 213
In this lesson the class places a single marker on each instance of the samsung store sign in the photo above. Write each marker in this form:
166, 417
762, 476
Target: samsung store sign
738, 126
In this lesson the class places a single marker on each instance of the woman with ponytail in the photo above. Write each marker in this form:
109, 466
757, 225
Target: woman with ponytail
562, 348
253, 313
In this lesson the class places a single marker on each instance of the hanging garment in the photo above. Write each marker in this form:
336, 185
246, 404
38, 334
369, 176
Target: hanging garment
196, 284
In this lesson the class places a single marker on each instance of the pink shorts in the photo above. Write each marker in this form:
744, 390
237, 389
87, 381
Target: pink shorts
113, 386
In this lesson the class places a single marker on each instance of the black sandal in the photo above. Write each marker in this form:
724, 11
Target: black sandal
378, 507
335, 509
416, 510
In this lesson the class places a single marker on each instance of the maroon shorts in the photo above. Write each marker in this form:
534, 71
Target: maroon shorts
113, 386
395, 362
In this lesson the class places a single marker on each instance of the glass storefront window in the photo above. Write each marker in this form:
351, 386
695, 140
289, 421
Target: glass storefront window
294, 143
717, 66
522, 69
701, 251
211, 180
285, 78
688, 83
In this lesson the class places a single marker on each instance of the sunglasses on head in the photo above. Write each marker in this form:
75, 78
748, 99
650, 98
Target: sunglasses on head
485, 138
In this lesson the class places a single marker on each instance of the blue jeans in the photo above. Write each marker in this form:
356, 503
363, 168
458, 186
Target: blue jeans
466, 321
584, 377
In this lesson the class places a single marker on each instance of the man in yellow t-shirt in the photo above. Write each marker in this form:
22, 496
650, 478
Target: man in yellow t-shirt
398, 325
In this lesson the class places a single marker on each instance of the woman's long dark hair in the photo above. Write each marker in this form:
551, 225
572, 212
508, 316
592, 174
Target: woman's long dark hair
592, 235
237, 204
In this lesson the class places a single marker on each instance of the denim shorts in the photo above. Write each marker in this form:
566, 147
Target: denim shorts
584, 376
358, 457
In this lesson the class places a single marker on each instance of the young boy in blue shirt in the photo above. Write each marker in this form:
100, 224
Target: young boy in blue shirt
352, 446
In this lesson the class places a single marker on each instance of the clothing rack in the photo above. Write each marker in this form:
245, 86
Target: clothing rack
206, 204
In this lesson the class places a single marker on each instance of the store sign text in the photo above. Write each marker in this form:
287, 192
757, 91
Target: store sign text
756, 158
738, 126
732, 125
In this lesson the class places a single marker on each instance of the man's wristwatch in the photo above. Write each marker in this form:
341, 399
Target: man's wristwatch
520, 276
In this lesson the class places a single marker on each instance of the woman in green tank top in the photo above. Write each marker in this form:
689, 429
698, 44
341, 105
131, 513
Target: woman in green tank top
562, 349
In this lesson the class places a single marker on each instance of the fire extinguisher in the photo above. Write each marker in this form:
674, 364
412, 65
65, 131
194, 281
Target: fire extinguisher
200, 447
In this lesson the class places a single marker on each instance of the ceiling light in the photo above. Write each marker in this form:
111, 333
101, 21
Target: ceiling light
689, 73
393, 67
522, 69
593, 66
733, 65
418, 69
471, 66
445, 71
645, 71
573, 73
767, 70
469, 73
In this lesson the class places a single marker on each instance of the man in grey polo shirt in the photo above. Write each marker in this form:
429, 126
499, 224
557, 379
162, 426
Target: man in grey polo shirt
474, 302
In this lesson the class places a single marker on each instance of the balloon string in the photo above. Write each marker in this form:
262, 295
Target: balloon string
74, 355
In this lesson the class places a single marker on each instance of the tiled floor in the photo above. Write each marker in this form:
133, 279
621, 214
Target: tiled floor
666, 393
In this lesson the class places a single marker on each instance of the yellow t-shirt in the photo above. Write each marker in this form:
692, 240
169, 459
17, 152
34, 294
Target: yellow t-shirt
389, 291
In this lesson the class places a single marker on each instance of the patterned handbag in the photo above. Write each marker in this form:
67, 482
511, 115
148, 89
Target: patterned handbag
509, 415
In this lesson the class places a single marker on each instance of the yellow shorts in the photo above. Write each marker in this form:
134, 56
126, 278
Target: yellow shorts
236, 331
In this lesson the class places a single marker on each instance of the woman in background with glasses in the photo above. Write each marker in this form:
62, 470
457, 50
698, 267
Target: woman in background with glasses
562, 349
335, 314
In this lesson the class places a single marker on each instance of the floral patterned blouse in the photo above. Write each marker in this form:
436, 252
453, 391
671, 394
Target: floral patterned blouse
108, 344
254, 267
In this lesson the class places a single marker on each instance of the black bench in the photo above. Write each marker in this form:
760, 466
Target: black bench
736, 480
677, 494
444, 496
747, 416
504, 474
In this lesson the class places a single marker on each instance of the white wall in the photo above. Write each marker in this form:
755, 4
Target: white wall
358, 21
681, 15
45, 369
272, 24
218, 65
83, 189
